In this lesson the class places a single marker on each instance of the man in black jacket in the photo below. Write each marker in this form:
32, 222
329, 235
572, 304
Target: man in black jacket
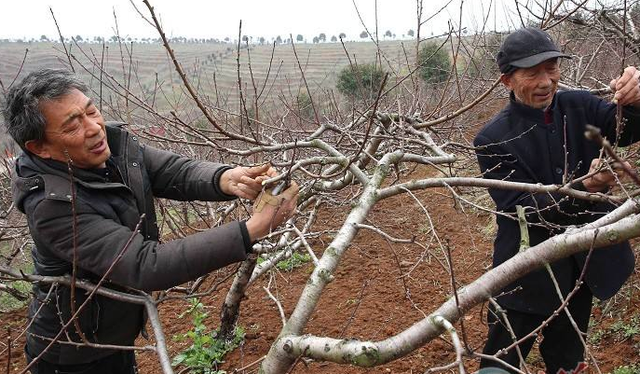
539, 138
94, 219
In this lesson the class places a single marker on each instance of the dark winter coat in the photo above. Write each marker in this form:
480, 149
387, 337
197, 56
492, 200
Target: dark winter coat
523, 144
108, 208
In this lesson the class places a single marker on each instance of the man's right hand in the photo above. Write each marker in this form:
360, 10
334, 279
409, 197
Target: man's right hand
627, 87
245, 182
272, 213
602, 177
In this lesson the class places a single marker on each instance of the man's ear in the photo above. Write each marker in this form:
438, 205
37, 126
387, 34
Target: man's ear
506, 80
38, 148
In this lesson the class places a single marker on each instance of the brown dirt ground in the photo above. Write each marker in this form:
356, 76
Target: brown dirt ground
368, 298
378, 291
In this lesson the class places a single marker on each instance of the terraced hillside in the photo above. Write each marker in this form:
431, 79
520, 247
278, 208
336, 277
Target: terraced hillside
213, 67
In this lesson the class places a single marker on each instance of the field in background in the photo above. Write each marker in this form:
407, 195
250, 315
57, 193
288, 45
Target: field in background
147, 72
215, 64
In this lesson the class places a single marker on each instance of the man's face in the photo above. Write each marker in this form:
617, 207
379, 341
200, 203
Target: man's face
534, 86
74, 129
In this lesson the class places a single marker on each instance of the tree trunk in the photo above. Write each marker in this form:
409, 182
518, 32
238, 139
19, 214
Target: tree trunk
231, 305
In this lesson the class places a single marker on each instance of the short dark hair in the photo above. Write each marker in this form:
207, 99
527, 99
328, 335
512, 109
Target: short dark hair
24, 120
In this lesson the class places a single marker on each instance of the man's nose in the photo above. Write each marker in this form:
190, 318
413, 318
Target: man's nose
545, 80
91, 126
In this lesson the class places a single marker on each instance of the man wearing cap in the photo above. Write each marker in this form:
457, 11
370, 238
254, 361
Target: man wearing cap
539, 138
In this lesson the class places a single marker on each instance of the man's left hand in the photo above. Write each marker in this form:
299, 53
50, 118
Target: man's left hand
627, 87
603, 177
246, 182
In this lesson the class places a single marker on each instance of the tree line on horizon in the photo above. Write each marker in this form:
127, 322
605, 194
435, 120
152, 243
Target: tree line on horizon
300, 38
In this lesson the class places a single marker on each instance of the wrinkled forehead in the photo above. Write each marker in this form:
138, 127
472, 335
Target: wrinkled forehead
60, 110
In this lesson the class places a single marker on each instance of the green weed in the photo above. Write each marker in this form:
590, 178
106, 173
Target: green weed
295, 261
347, 303
627, 330
627, 369
8, 302
206, 352
619, 330
424, 229
596, 336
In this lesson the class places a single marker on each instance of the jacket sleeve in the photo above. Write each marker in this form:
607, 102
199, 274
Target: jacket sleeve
496, 162
604, 115
180, 178
145, 264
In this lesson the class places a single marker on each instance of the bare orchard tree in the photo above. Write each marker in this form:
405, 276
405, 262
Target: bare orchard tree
352, 157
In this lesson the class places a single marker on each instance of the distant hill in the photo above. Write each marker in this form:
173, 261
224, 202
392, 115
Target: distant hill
151, 64
147, 71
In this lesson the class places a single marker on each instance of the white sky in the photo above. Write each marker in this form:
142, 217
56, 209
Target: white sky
219, 19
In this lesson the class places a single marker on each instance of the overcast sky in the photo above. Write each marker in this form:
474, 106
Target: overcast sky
219, 19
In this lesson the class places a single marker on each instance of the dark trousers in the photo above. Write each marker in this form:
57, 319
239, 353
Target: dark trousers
560, 348
121, 362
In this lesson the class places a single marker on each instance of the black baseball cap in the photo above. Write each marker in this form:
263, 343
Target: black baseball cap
525, 48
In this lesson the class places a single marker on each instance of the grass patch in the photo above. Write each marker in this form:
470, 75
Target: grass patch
296, 260
626, 329
627, 369
206, 352
620, 331
9, 303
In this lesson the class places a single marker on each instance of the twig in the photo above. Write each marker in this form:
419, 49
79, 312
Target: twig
593, 133
506, 364
384, 234
9, 349
359, 299
458, 112
74, 262
579, 283
42, 304
64, 45
277, 302
454, 339
24, 58
304, 80
188, 86
507, 323
454, 288
243, 101
314, 258
619, 119
249, 365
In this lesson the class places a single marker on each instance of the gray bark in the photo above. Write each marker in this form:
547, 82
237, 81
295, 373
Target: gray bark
366, 353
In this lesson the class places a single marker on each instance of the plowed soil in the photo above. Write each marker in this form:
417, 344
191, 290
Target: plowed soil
381, 288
